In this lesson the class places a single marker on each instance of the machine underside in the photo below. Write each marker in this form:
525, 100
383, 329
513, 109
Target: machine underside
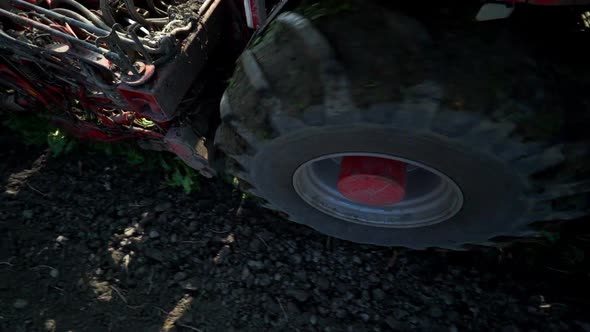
109, 70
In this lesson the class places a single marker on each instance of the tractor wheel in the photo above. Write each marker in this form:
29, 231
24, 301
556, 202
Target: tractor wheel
349, 123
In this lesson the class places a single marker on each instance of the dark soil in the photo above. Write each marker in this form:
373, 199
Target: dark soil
88, 243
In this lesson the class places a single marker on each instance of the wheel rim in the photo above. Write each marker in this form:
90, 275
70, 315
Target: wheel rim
431, 196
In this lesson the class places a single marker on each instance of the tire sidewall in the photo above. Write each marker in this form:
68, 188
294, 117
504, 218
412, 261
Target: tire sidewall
493, 193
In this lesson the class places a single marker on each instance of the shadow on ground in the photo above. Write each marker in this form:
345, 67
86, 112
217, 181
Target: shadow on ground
88, 243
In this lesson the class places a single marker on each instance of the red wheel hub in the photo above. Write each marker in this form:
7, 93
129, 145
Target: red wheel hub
372, 181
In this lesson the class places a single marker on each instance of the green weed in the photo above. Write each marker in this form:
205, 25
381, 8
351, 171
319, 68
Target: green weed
182, 176
37, 131
177, 173
32, 129
59, 143
231, 82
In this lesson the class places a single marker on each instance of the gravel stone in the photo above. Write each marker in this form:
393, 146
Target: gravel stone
298, 294
129, 231
155, 254
20, 303
190, 284
163, 206
256, 265
313, 320
180, 276
264, 280
61, 239
365, 317
436, 312
245, 273
322, 283
378, 294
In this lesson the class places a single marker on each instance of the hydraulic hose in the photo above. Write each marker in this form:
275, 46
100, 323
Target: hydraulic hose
159, 49
84, 11
72, 14
107, 15
140, 19
153, 7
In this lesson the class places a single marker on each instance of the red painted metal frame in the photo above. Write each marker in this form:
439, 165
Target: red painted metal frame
255, 11
155, 96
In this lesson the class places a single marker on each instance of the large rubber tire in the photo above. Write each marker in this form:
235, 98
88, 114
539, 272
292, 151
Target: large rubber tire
368, 80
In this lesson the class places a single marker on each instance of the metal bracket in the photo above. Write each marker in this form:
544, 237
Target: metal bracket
119, 52
184, 142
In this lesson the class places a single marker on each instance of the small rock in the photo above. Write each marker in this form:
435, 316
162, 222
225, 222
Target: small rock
245, 273
117, 257
365, 317
27, 214
264, 280
374, 278
255, 245
292, 309
129, 231
452, 315
400, 314
322, 283
447, 298
510, 328
180, 276
436, 312
313, 320
54, 273
246, 231
154, 254
378, 294
222, 255
393, 323
193, 226
340, 313
50, 325
186, 318
537, 300
20, 304
191, 284
95, 244
256, 265
296, 259
301, 276
298, 294
356, 260
61, 239
154, 234
161, 207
